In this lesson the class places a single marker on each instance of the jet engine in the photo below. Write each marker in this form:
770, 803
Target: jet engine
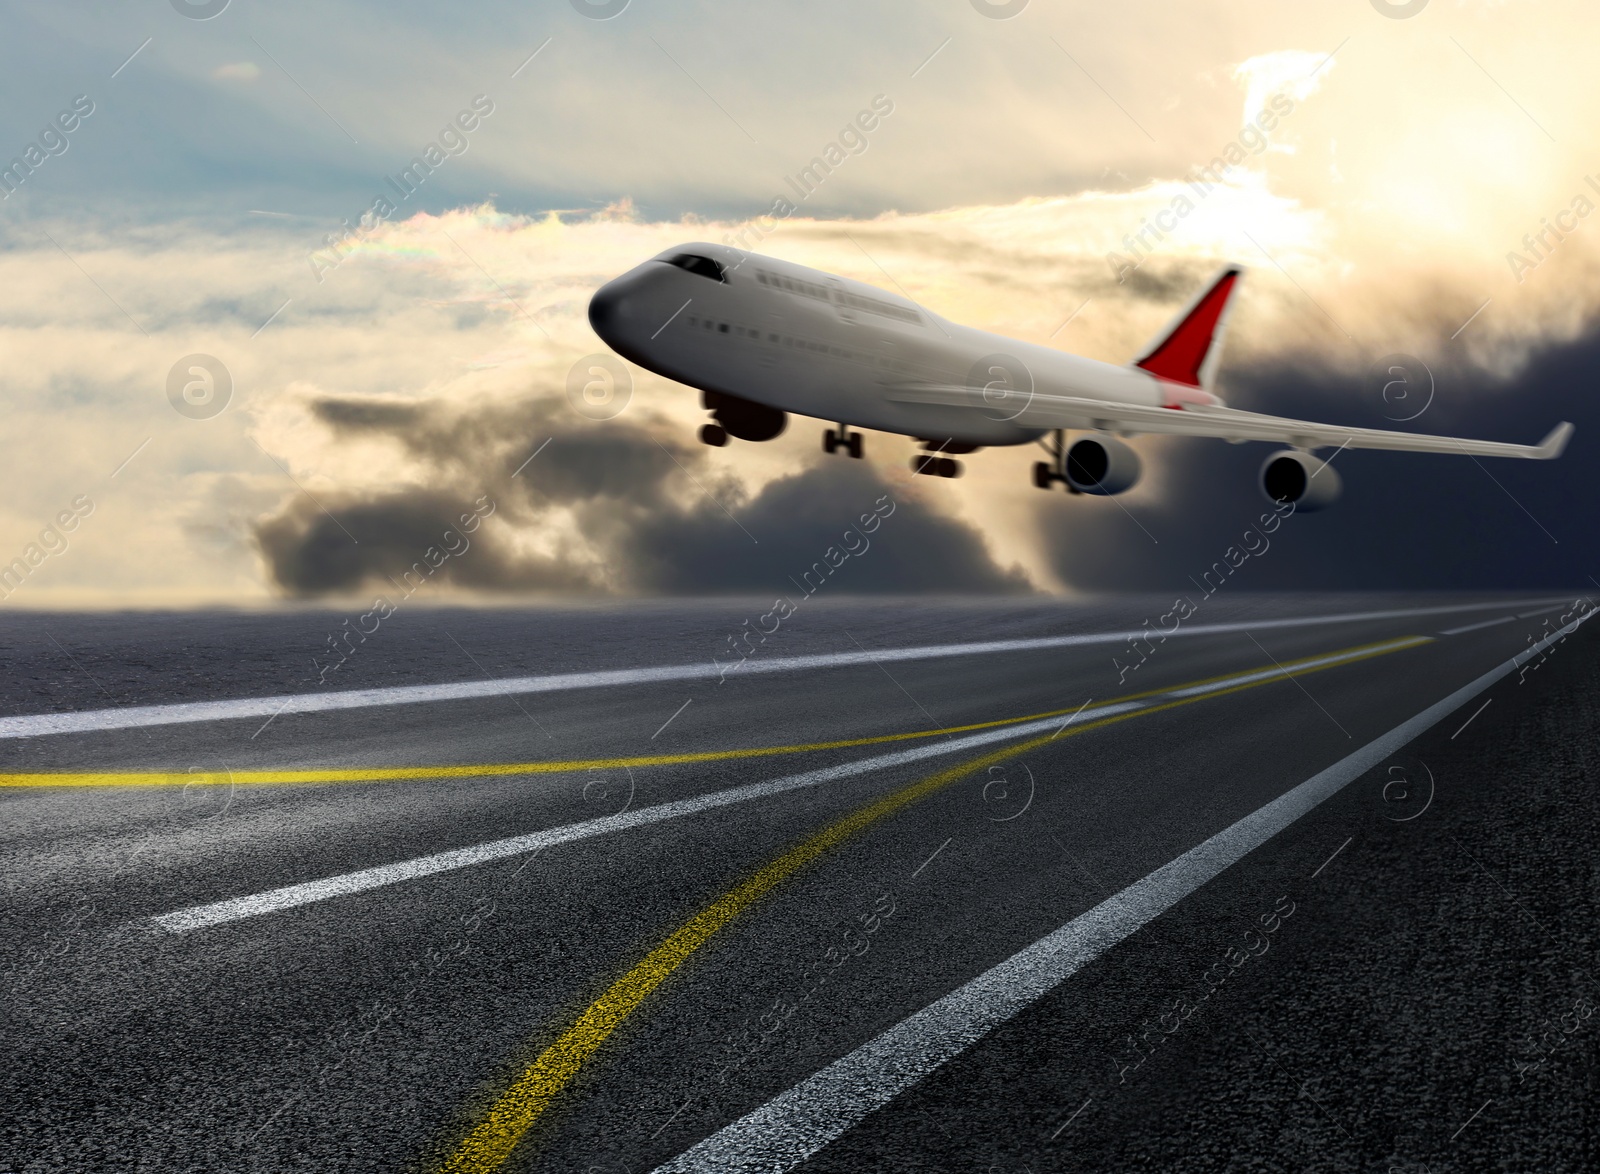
1300, 478
744, 419
1102, 465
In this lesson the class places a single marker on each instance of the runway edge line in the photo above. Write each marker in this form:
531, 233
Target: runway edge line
798, 1123
500, 1129
36, 725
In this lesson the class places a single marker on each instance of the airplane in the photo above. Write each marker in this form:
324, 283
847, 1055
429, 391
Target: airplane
762, 339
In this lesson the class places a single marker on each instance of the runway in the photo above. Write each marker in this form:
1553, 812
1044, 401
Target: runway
1263, 882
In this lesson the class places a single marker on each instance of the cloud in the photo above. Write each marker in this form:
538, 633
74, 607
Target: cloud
1424, 522
428, 364
425, 368
1293, 72
699, 107
803, 523
605, 507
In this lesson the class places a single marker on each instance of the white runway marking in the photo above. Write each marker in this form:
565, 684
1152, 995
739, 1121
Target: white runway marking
1541, 611
1475, 627
235, 908
137, 716
796, 1124
288, 897
1500, 620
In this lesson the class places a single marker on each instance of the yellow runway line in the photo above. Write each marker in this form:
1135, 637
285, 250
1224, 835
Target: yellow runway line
492, 1141
385, 774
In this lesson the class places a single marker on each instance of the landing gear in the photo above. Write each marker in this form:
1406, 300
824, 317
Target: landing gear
930, 465
1047, 473
713, 434
851, 442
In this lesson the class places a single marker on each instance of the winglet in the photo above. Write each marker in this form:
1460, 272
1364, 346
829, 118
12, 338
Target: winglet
1553, 445
1190, 348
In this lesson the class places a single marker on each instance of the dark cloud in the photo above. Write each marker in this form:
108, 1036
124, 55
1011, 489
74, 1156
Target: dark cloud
1413, 521
396, 542
436, 432
369, 415
800, 521
1172, 283
1406, 521
644, 526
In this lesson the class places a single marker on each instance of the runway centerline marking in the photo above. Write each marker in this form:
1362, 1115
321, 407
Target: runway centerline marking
362, 880
489, 1144
139, 716
796, 1124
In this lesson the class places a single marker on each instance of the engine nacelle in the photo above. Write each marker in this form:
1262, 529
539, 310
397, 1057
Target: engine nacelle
1299, 478
745, 418
1101, 464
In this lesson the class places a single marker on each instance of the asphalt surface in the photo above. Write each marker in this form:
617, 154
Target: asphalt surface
1404, 978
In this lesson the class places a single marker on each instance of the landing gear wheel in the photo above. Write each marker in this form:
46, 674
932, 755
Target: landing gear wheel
835, 439
930, 465
713, 434
1043, 475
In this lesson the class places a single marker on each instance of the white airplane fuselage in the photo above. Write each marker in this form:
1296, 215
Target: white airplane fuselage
763, 338
803, 341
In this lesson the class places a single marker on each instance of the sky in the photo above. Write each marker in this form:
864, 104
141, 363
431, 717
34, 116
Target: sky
224, 387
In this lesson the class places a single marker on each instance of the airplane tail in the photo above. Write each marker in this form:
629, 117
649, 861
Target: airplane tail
1188, 350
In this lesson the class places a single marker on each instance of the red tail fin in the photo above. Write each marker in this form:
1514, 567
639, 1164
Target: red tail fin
1191, 347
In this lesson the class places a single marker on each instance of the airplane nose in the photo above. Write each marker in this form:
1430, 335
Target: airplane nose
609, 308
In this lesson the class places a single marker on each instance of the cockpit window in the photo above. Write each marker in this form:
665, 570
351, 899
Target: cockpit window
704, 266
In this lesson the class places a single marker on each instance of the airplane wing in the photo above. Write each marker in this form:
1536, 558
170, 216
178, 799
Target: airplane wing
1057, 411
